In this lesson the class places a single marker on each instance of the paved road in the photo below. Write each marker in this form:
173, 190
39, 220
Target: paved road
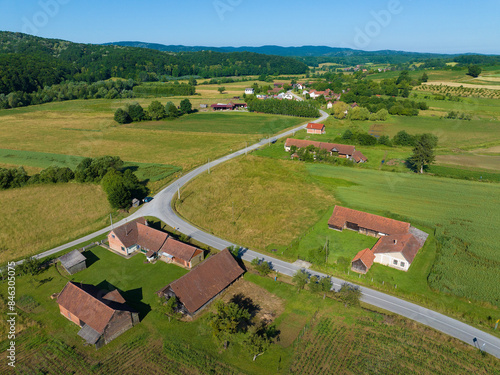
161, 208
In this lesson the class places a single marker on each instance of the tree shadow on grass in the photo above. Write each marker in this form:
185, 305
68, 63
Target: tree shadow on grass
246, 303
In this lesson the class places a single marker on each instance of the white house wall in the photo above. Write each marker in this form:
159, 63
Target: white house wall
387, 259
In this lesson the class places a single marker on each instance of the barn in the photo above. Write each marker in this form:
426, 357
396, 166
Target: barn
200, 286
363, 261
73, 262
102, 316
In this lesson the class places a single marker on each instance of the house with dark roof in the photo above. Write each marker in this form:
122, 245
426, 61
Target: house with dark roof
398, 242
204, 283
102, 316
73, 262
138, 236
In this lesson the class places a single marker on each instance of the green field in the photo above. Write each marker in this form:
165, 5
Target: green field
47, 342
226, 123
86, 128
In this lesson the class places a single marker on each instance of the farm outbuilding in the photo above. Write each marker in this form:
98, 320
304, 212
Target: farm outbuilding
73, 262
200, 286
102, 316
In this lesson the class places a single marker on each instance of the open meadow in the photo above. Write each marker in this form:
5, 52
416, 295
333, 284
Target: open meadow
309, 327
39, 217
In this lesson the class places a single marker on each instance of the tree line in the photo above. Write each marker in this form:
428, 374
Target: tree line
282, 107
120, 185
133, 112
37, 62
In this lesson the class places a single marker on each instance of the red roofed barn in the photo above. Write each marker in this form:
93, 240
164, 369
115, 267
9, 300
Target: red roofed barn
363, 261
102, 316
205, 282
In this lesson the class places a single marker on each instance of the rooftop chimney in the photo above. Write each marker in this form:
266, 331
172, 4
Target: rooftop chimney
395, 242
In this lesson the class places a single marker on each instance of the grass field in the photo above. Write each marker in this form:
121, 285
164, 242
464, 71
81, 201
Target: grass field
86, 128
37, 218
48, 342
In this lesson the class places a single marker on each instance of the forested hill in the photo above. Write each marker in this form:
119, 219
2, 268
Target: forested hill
28, 63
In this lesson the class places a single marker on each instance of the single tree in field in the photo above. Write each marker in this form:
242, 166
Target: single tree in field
300, 278
423, 152
314, 286
227, 321
192, 81
221, 89
186, 106
425, 77
326, 285
474, 70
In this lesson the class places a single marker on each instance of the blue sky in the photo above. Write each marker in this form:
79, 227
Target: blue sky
449, 26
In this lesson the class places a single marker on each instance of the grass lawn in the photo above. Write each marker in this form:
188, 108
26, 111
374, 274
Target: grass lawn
48, 342
36, 218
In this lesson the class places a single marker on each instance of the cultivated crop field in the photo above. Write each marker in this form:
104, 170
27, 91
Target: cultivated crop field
380, 344
39, 217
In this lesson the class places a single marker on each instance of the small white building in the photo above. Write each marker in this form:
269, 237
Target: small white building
288, 96
329, 105
249, 91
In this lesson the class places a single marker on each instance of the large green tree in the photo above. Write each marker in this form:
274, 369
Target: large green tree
156, 111
122, 116
300, 278
186, 106
423, 152
227, 321
474, 70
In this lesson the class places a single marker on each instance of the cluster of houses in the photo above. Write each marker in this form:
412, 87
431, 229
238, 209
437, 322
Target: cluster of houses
104, 315
398, 242
340, 150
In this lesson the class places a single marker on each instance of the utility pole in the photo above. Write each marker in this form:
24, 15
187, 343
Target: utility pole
326, 250
233, 214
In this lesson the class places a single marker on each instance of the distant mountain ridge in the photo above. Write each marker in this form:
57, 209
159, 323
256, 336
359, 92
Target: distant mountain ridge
303, 51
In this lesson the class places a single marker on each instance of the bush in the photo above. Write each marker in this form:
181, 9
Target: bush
403, 139
135, 111
122, 117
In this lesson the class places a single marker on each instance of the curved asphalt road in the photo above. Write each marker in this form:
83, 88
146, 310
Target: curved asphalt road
161, 208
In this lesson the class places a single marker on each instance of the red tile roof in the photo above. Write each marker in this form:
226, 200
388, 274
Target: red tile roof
128, 233
366, 256
405, 244
358, 156
365, 220
149, 238
85, 302
315, 126
204, 282
335, 147
179, 250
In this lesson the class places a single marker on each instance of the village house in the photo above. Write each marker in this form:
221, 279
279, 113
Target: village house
313, 128
329, 105
249, 91
342, 151
398, 242
138, 236
102, 316
204, 283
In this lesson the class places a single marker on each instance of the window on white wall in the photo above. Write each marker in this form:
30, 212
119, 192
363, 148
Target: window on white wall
402, 264
395, 262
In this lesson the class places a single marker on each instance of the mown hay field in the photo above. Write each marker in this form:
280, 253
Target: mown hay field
87, 128
39, 217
